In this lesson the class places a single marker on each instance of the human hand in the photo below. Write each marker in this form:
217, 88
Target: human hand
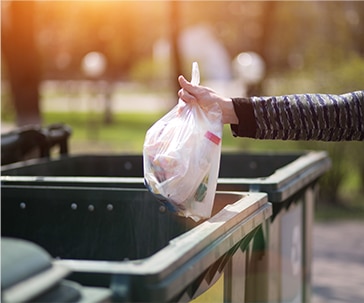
205, 97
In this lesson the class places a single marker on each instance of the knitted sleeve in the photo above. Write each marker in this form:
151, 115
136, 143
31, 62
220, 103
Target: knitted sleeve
321, 117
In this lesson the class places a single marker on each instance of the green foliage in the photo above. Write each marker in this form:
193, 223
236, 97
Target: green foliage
327, 212
152, 72
349, 75
335, 74
7, 108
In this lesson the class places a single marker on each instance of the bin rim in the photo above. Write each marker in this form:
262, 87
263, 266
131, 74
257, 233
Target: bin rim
45, 160
317, 161
289, 179
281, 185
79, 180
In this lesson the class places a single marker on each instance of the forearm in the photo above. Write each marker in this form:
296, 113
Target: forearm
301, 117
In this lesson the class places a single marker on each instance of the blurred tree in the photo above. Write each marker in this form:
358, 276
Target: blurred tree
124, 31
21, 56
174, 23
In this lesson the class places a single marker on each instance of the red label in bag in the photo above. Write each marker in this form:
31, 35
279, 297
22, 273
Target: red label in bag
213, 138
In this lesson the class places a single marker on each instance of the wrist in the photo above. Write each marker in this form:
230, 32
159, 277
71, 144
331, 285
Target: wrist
228, 111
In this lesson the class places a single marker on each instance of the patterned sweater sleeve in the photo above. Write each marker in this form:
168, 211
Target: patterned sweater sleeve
322, 117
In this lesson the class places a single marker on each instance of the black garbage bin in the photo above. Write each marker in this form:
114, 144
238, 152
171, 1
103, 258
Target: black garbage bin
33, 141
283, 273
21, 144
124, 239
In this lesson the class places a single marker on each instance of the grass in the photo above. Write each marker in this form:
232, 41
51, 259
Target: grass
127, 132
91, 135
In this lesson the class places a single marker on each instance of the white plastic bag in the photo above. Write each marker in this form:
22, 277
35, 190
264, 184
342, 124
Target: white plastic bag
182, 157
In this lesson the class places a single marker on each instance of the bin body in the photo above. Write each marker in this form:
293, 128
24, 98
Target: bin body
73, 222
123, 239
292, 188
279, 271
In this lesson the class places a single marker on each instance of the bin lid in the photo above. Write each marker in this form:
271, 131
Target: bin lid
27, 270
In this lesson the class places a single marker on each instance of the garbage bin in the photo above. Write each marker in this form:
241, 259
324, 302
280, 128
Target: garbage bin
124, 239
289, 179
33, 142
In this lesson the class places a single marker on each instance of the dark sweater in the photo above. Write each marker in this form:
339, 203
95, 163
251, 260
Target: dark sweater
321, 117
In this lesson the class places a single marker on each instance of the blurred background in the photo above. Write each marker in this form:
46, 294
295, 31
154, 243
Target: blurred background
109, 70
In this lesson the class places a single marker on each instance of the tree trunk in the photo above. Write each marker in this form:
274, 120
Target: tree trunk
21, 56
175, 50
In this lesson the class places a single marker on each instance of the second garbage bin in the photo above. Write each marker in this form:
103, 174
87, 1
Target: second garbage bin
291, 183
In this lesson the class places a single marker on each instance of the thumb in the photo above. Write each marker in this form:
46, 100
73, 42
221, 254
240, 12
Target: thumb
185, 84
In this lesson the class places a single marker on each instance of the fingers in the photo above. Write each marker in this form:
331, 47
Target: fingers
186, 96
192, 89
186, 92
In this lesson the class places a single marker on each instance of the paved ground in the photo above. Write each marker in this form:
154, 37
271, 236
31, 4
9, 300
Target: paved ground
338, 265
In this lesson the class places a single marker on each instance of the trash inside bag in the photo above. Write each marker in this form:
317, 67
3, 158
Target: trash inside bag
181, 157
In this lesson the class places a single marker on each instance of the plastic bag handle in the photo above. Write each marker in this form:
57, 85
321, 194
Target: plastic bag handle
195, 74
